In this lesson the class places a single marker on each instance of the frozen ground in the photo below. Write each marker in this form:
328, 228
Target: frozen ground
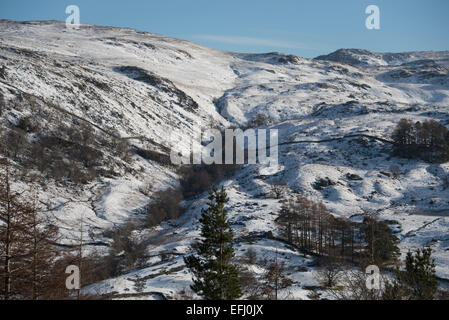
334, 114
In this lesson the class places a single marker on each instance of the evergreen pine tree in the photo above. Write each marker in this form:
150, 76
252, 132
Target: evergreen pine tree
420, 274
417, 282
214, 276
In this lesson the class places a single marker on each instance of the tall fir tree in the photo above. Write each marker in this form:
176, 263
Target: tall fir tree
214, 276
420, 274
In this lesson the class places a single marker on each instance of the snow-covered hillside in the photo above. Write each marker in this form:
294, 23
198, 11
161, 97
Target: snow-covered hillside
335, 115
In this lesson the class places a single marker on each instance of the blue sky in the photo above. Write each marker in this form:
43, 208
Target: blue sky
303, 27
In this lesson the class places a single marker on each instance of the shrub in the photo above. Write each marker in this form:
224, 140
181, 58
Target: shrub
64, 152
125, 252
166, 205
195, 179
16, 142
278, 188
146, 188
251, 256
258, 121
329, 272
28, 124
154, 156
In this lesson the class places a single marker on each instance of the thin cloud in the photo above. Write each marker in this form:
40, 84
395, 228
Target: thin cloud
250, 41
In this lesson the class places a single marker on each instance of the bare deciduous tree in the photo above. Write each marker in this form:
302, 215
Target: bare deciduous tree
13, 215
41, 236
329, 272
395, 171
277, 188
275, 280
352, 286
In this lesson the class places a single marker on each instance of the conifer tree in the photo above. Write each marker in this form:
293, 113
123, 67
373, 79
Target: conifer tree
214, 276
420, 274
417, 282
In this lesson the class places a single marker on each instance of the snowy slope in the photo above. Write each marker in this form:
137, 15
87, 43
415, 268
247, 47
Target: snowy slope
361, 57
145, 85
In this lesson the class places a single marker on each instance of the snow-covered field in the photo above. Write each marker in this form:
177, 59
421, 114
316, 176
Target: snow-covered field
142, 85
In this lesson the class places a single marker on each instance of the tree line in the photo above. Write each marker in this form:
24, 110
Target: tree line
427, 140
66, 153
308, 225
193, 180
33, 262
414, 280
26, 239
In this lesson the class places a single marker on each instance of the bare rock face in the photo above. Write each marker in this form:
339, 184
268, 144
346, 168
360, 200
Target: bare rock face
160, 83
322, 183
354, 177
